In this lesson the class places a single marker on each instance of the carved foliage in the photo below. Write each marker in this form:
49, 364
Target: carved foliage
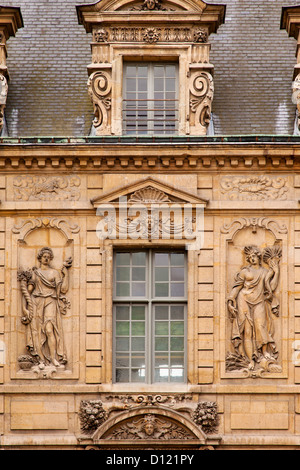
149, 417
150, 427
206, 416
46, 188
202, 91
91, 415
99, 88
255, 188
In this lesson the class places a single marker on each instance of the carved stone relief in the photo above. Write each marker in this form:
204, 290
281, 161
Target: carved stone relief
253, 297
254, 188
46, 188
99, 88
151, 35
3, 97
296, 97
47, 305
149, 427
151, 424
43, 302
202, 92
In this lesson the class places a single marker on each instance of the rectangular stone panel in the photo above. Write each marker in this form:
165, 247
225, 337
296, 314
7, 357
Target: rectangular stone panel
39, 415
260, 415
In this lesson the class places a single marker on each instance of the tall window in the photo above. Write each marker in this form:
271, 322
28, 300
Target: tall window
150, 101
150, 316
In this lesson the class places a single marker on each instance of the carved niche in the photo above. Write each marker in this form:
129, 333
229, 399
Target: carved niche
255, 322
159, 418
125, 30
47, 304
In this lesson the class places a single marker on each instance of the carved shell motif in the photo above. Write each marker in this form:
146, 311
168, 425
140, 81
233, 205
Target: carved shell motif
149, 195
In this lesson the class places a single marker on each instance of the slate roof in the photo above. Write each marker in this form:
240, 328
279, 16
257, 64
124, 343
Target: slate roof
47, 60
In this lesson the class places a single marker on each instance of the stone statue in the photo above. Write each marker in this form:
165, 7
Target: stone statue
251, 304
43, 303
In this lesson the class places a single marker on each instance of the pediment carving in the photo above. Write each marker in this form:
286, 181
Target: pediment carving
149, 191
153, 418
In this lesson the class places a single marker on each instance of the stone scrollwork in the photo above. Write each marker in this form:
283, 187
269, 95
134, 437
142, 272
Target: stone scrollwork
251, 305
99, 88
202, 92
43, 303
3, 97
296, 97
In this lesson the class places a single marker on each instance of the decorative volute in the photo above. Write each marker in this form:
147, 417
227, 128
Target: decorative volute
151, 30
290, 20
10, 21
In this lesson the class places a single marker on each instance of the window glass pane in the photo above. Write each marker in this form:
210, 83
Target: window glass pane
123, 273
177, 290
122, 328
122, 344
138, 344
177, 328
138, 289
177, 259
138, 312
177, 344
139, 259
161, 328
161, 259
138, 375
138, 329
161, 274
177, 312
177, 274
123, 259
122, 375
161, 312
161, 344
122, 360
138, 274
123, 289
161, 290
122, 312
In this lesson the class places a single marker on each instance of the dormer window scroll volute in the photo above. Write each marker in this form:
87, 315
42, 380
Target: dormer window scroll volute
10, 21
151, 31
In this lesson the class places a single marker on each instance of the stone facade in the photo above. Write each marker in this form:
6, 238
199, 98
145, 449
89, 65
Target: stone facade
57, 388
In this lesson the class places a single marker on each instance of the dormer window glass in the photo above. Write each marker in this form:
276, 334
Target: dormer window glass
150, 99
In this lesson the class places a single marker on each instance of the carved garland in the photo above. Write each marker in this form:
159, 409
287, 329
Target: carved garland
93, 414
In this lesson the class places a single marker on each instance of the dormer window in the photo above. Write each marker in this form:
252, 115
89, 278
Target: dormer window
150, 101
150, 72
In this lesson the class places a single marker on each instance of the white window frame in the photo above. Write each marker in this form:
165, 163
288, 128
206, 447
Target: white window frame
150, 301
152, 108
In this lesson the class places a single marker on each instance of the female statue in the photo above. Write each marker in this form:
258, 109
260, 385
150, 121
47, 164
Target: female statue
251, 303
43, 291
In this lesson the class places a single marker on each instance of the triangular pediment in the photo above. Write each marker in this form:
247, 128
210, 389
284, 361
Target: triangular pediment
149, 191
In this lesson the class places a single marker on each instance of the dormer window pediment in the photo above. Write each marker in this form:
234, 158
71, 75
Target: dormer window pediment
156, 32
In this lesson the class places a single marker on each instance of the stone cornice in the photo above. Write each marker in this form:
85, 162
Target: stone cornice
81, 154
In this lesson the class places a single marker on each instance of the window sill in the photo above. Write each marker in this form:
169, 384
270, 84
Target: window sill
147, 388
